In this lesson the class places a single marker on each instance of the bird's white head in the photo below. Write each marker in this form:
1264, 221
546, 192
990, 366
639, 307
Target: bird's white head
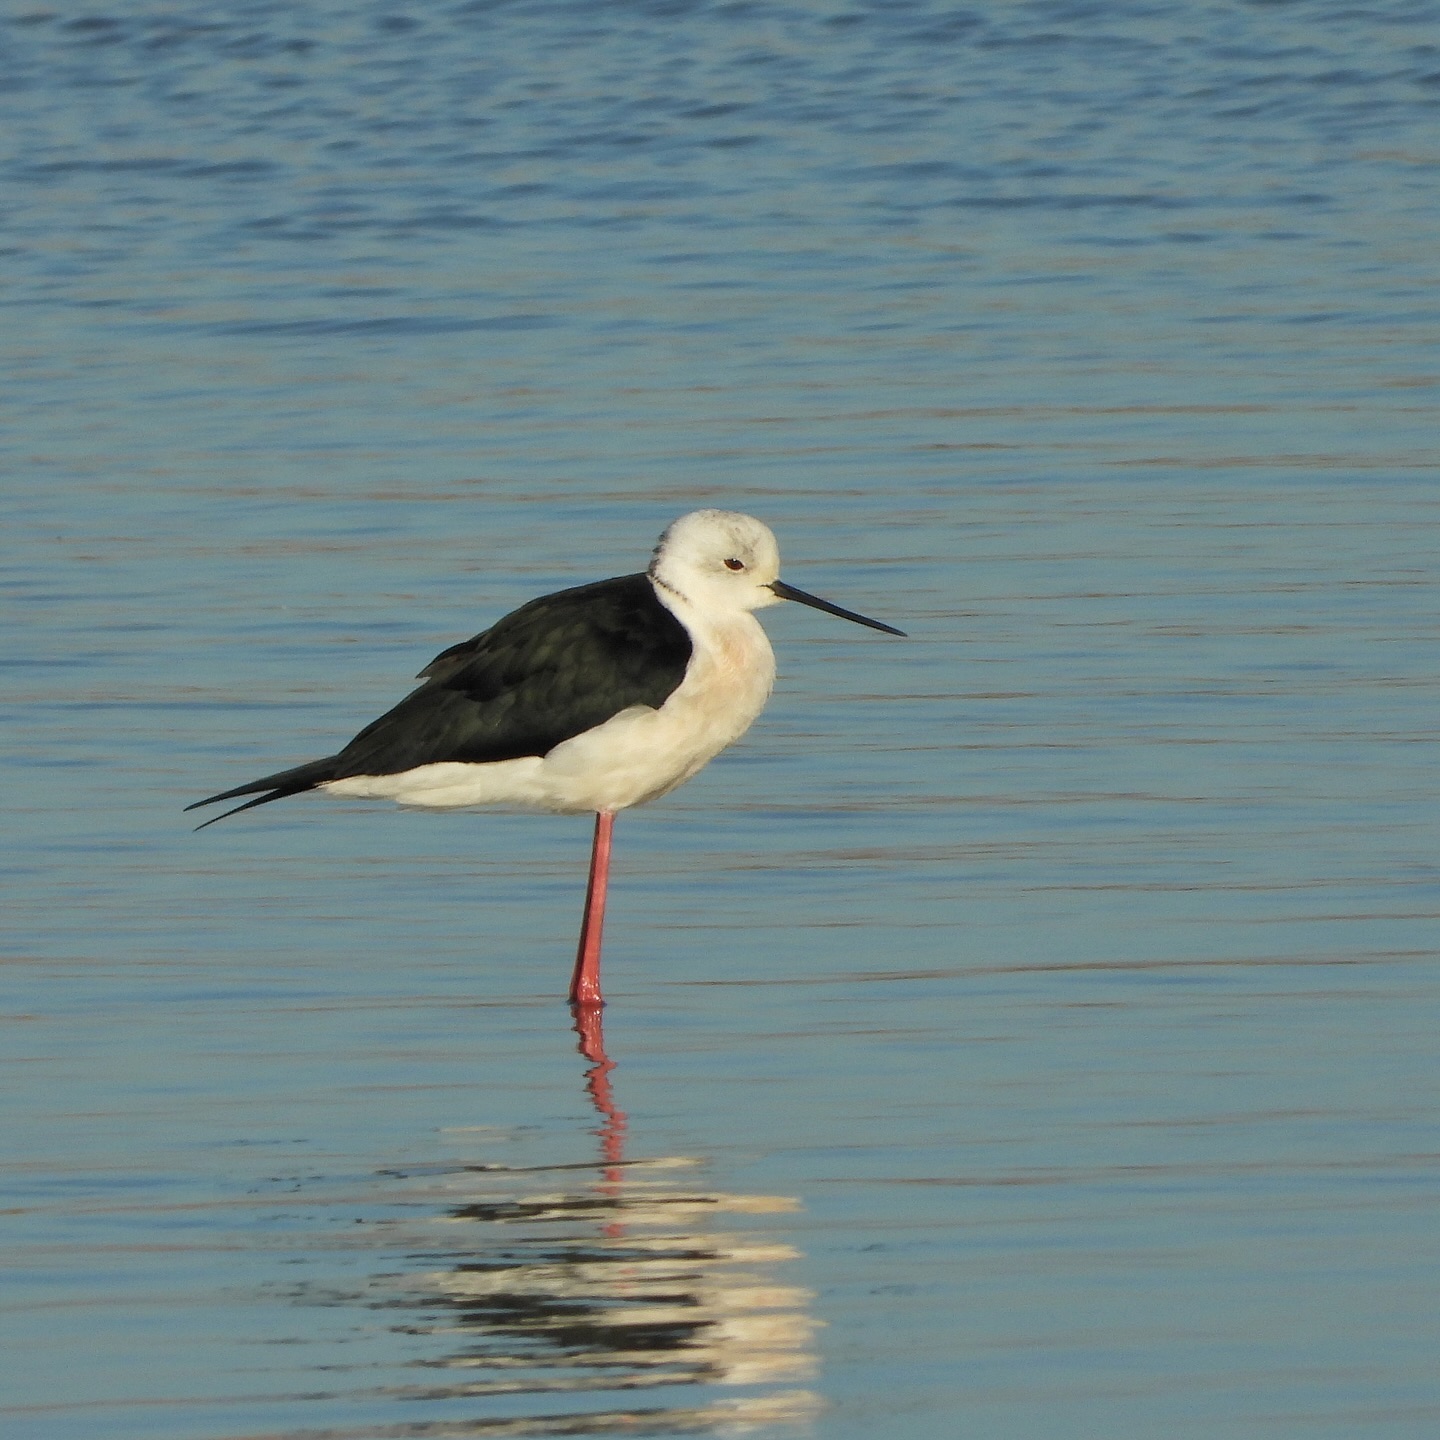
718, 560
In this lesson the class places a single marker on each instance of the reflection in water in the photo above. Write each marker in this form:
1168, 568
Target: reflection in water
604, 1277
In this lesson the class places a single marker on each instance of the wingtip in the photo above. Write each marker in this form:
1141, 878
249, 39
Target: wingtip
275, 787
224, 814
223, 795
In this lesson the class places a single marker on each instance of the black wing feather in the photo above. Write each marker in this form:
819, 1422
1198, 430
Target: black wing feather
281, 784
547, 672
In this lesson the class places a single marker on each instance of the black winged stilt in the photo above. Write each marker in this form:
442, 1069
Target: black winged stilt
591, 699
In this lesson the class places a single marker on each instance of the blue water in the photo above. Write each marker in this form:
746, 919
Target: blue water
1029, 1028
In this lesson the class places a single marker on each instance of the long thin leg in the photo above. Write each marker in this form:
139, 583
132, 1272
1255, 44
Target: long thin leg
585, 983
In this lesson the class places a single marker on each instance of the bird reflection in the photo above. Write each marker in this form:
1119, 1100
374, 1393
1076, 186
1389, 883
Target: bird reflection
613, 1276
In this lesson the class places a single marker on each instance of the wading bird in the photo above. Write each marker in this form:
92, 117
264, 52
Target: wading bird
591, 699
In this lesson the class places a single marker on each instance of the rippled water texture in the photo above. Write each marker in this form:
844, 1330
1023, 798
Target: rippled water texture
1029, 1029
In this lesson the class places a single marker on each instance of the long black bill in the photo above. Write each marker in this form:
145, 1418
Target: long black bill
789, 592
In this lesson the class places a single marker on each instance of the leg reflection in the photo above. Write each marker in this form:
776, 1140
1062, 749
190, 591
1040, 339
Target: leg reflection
590, 1027
585, 1284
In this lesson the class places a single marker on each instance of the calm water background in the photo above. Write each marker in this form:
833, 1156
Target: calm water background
1030, 1028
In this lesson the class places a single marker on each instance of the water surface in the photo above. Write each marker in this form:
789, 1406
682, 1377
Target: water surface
1030, 1026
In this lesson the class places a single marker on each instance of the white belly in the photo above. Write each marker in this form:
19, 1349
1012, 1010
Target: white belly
635, 756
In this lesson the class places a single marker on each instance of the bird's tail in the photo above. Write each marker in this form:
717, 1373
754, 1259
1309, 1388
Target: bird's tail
276, 787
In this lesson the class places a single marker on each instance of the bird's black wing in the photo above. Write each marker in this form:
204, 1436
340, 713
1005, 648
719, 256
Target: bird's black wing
547, 672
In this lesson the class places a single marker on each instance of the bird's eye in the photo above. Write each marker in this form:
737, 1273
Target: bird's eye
733, 564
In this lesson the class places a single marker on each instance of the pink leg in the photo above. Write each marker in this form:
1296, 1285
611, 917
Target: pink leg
585, 983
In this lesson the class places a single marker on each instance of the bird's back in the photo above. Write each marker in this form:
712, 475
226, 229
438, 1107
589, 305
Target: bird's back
553, 669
